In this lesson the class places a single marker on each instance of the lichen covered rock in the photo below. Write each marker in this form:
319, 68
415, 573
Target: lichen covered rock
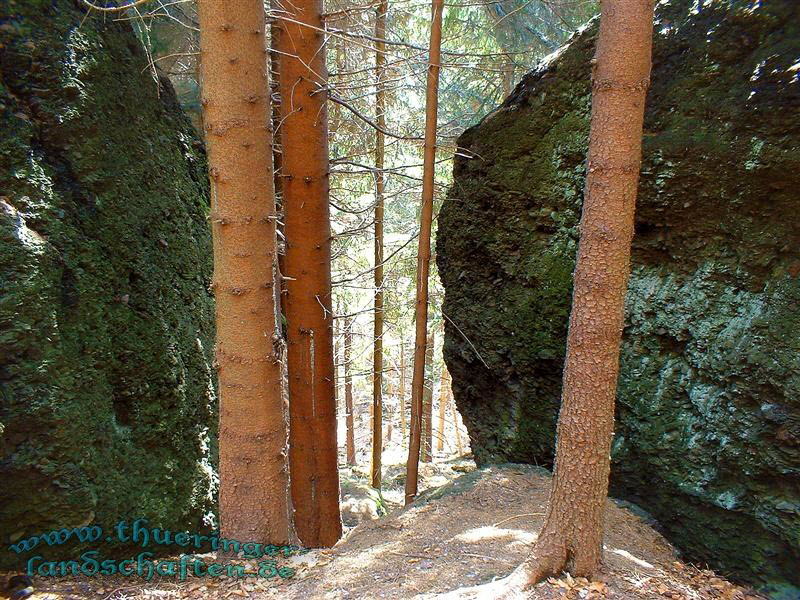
708, 423
106, 323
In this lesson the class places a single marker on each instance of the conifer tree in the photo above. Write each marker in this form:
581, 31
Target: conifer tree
307, 272
571, 538
253, 494
424, 249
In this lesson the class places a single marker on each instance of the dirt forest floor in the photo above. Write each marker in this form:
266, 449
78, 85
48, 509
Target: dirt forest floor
472, 529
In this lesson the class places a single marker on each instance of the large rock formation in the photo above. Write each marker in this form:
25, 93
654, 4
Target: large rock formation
708, 429
106, 322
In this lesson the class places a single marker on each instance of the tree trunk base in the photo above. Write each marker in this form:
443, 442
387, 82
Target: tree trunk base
549, 557
512, 587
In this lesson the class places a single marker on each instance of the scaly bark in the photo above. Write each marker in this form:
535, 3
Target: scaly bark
377, 357
424, 248
348, 394
253, 495
572, 535
312, 408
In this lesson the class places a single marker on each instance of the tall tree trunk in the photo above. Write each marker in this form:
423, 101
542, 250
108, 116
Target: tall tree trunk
312, 408
572, 534
348, 393
427, 401
253, 495
424, 248
402, 388
377, 358
443, 385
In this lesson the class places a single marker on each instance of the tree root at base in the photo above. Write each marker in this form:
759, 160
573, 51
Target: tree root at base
546, 559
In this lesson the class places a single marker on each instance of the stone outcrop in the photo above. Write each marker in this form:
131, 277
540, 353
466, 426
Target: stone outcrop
708, 423
106, 322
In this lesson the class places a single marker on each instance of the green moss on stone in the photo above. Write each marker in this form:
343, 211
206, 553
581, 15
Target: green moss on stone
708, 423
106, 322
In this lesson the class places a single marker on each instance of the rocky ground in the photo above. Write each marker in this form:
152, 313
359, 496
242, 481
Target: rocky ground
475, 527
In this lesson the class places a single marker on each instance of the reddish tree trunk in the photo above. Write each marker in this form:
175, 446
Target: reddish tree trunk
377, 358
312, 408
424, 249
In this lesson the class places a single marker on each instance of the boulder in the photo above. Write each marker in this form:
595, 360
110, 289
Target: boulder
708, 405
106, 322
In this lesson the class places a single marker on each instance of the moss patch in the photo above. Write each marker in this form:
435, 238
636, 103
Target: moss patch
106, 324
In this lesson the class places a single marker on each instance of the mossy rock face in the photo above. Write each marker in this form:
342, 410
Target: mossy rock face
106, 323
708, 423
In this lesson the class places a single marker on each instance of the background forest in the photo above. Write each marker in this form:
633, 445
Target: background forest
488, 46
